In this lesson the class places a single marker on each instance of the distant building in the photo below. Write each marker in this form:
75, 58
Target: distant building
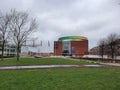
9, 50
94, 51
107, 50
34, 51
71, 46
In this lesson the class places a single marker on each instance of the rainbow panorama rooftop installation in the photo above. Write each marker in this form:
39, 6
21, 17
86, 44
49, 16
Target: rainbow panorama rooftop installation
73, 38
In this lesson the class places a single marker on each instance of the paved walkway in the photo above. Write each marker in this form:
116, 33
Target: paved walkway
111, 64
49, 66
60, 66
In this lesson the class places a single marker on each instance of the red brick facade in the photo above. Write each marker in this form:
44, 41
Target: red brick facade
80, 47
58, 48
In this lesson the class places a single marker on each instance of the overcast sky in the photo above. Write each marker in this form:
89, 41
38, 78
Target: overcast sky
93, 19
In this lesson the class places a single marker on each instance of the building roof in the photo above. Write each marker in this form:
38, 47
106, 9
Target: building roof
72, 38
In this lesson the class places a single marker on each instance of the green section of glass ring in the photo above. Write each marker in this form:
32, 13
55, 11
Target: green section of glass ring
79, 38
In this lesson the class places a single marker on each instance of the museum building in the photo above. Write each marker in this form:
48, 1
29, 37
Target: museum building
71, 46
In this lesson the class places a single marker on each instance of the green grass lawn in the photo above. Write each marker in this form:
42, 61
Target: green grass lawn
61, 79
41, 61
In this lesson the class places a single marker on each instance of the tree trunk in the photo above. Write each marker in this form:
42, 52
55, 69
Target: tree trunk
102, 53
112, 51
18, 52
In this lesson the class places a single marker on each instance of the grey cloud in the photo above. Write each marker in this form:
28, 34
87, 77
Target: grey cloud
94, 19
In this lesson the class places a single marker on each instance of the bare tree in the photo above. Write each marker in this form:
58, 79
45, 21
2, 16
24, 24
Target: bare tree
4, 31
21, 27
102, 45
112, 44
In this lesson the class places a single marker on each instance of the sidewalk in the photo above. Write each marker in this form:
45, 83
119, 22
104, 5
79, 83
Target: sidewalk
111, 64
60, 66
50, 66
